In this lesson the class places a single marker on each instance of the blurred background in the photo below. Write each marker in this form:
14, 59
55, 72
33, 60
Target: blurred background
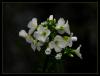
18, 57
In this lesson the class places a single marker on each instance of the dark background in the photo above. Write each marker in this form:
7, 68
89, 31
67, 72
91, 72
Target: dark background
18, 57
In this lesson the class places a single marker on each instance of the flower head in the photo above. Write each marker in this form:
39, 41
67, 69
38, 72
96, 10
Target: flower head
62, 27
69, 41
42, 33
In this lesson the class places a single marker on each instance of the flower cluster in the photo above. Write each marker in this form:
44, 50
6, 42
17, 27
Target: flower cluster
54, 36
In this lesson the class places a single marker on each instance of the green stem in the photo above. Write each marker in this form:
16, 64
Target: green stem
45, 63
59, 66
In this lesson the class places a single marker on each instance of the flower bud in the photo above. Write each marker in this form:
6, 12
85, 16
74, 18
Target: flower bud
74, 38
51, 17
23, 33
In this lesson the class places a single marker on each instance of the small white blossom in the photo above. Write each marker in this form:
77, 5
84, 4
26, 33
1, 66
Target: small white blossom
69, 42
58, 56
77, 52
48, 51
60, 26
42, 33
51, 17
54, 45
23, 34
63, 27
32, 25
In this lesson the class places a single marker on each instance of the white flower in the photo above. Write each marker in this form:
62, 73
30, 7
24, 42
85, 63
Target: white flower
51, 17
48, 51
77, 52
42, 33
58, 43
36, 45
32, 25
23, 34
58, 56
63, 27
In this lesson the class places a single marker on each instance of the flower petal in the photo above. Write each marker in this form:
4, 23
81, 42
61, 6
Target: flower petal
51, 45
69, 43
38, 48
23, 33
60, 41
40, 28
67, 29
33, 47
57, 49
47, 32
62, 44
33, 23
61, 21
30, 31
38, 36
